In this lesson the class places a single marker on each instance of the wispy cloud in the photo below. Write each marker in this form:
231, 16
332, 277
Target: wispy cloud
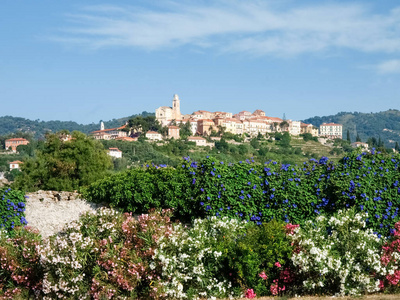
389, 67
257, 27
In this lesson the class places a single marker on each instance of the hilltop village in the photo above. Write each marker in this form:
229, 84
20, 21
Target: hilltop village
203, 123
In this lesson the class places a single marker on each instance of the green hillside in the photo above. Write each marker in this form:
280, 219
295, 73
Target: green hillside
39, 128
384, 124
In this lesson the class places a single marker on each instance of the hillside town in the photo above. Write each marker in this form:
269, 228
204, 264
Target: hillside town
202, 123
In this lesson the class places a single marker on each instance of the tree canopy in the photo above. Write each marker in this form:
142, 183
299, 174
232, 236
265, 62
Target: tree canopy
65, 165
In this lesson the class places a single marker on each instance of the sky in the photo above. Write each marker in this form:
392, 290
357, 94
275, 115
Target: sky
87, 61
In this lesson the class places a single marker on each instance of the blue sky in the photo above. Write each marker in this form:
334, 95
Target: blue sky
89, 60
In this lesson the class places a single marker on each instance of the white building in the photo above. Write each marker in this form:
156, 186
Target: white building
166, 114
15, 165
153, 136
331, 130
115, 152
294, 127
360, 145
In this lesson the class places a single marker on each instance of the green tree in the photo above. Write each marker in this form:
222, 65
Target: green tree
65, 165
396, 147
185, 131
358, 139
348, 135
285, 141
140, 124
255, 143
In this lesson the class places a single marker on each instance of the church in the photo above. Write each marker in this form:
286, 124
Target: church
166, 114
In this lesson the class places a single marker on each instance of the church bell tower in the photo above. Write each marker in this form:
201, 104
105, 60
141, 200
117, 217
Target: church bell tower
176, 108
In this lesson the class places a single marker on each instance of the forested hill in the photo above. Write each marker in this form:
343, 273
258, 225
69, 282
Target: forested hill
384, 124
39, 128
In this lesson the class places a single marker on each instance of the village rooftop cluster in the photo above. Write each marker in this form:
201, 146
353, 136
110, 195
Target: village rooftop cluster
203, 122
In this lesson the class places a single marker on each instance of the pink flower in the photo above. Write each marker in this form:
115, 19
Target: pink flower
277, 264
275, 288
290, 228
381, 284
250, 294
263, 275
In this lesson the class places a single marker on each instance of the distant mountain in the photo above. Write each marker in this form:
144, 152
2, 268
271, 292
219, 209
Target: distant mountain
39, 128
384, 124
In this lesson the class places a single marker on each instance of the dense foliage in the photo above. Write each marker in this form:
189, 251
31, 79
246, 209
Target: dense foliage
39, 129
383, 125
338, 255
249, 191
110, 255
64, 165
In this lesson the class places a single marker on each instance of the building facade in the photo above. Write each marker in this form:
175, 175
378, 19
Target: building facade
12, 144
173, 132
153, 136
15, 165
331, 130
166, 114
115, 152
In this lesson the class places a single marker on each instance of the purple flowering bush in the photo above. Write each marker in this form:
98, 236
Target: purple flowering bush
260, 192
12, 210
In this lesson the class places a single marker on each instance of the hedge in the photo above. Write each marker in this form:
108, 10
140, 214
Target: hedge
368, 181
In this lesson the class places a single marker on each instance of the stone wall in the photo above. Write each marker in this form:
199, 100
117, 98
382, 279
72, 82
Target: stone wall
53, 196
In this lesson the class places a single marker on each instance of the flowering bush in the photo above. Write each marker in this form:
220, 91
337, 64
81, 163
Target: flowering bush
391, 261
105, 255
12, 208
192, 259
258, 193
20, 268
338, 255
127, 267
258, 257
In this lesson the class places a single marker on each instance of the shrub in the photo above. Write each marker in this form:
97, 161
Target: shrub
20, 268
105, 255
12, 209
192, 259
390, 260
338, 255
64, 165
259, 257
254, 192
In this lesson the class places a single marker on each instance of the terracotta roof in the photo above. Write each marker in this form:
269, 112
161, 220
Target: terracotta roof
111, 129
126, 138
16, 162
206, 120
114, 149
152, 132
195, 138
330, 124
274, 119
173, 127
17, 139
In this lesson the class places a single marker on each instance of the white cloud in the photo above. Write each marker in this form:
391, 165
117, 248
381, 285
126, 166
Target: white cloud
257, 27
389, 67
